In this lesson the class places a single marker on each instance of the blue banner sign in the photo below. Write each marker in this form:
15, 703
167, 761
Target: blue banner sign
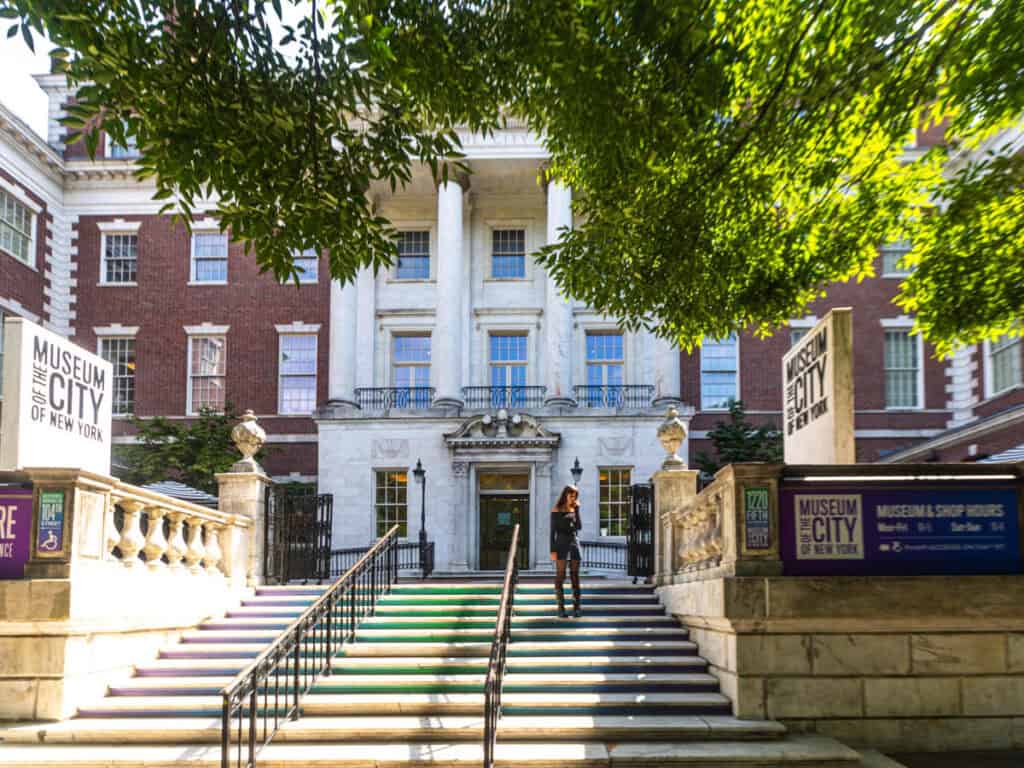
836, 529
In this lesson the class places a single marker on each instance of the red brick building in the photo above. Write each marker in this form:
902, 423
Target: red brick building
188, 320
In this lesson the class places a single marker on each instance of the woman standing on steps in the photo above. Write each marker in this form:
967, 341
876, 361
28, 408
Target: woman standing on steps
565, 547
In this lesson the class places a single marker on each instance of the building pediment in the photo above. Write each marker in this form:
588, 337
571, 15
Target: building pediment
502, 430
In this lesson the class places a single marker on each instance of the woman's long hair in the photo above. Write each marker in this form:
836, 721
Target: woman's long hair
563, 498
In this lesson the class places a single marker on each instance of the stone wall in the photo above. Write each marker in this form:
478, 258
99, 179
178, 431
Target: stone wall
915, 663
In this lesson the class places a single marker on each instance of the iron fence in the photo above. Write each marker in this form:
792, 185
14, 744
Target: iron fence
615, 396
604, 555
504, 397
402, 398
410, 558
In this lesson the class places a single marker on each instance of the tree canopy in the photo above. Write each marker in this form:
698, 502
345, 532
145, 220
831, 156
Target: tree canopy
729, 158
738, 440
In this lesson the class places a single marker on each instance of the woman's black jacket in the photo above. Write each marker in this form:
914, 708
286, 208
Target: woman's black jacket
564, 527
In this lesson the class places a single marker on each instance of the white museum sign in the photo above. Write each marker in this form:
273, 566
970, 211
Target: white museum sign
57, 402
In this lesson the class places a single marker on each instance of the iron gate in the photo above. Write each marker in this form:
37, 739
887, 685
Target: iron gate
640, 536
297, 536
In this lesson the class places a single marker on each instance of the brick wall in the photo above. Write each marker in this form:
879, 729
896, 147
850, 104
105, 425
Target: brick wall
163, 303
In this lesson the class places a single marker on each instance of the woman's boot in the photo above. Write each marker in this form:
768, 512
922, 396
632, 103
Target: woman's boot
577, 611
561, 606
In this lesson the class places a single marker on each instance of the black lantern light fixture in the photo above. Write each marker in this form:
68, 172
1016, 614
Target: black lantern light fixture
421, 479
577, 471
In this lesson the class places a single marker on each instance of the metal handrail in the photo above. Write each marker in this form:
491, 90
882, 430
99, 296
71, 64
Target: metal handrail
499, 652
302, 652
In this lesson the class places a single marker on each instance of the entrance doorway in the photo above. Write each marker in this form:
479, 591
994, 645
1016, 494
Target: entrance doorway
504, 502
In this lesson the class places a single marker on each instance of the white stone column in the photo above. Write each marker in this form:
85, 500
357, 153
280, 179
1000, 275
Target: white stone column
341, 375
366, 307
557, 312
667, 384
446, 343
461, 509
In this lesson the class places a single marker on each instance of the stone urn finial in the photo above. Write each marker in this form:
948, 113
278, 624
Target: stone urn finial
671, 434
248, 437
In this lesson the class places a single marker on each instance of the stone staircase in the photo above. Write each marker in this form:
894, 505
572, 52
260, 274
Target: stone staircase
621, 686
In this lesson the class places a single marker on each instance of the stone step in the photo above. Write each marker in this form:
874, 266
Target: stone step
367, 633
316, 704
402, 729
401, 682
802, 751
547, 609
523, 623
437, 664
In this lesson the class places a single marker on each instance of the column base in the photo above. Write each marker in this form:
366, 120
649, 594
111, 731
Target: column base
342, 401
447, 402
561, 401
664, 401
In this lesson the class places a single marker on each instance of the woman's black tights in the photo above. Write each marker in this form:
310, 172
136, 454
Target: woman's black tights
574, 574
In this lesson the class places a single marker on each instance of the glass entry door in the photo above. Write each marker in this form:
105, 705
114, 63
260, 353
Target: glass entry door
498, 518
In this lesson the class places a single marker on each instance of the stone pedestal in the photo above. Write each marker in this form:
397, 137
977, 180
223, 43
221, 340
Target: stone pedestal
673, 489
245, 494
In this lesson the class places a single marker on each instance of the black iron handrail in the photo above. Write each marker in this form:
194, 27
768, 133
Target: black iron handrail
381, 398
303, 652
409, 555
499, 652
504, 397
615, 396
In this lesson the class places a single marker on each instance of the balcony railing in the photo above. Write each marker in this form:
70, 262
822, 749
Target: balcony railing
615, 396
503, 397
381, 398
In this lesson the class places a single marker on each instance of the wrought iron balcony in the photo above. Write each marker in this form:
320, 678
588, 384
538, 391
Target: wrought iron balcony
381, 398
503, 397
615, 396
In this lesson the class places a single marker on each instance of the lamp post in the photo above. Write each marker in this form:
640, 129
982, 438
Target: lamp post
421, 478
577, 471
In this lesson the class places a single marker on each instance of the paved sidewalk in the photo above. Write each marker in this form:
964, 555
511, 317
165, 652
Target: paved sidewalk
962, 760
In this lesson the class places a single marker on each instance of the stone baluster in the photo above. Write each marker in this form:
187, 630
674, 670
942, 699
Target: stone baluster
212, 554
132, 540
111, 536
176, 546
156, 543
195, 552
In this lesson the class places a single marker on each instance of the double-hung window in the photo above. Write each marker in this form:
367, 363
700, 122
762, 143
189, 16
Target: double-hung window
508, 254
413, 255
128, 151
508, 369
892, 259
207, 372
613, 503
719, 373
16, 224
1004, 365
209, 257
297, 373
902, 369
307, 264
120, 257
120, 353
410, 370
391, 502
605, 366
795, 334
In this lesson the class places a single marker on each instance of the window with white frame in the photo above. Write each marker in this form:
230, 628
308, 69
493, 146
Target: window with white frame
410, 367
120, 353
795, 334
892, 258
613, 502
297, 373
128, 151
207, 368
1004, 364
606, 363
902, 369
719, 373
508, 359
307, 264
120, 257
508, 253
413, 255
391, 501
209, 257
16, 223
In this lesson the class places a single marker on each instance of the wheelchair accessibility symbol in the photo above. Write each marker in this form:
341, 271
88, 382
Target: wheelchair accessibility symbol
50, 543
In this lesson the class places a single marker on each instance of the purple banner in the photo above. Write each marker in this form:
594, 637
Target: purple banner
15, 531
832, 529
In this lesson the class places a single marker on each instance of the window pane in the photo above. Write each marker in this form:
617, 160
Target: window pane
391, 506
614, 500
206, 371
508, 253
297, 373
120, 353
210, 257
718, 379
892, 255
795, 334
307, 263
15, 228
413, 255
120, 257
1005, 359
902, 369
